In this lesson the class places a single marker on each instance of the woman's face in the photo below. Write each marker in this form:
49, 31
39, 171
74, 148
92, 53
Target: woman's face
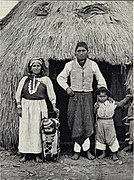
36, 68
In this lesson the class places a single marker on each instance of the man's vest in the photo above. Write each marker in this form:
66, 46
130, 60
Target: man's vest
81, 77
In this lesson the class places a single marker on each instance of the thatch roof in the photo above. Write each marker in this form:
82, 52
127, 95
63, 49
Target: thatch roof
107, 28
9, 16
129, 80
51, 30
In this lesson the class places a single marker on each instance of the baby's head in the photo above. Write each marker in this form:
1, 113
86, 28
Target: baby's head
102, 94
48, 125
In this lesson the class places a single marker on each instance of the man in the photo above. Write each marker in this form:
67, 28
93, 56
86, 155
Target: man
80, 107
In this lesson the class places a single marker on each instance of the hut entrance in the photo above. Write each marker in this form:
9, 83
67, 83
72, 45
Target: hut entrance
115, 79
55, 67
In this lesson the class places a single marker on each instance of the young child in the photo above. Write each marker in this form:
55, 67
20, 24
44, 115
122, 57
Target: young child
105, 131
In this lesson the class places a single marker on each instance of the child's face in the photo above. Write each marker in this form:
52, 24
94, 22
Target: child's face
102, 97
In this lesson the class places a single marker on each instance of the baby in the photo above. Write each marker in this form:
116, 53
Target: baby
105, 131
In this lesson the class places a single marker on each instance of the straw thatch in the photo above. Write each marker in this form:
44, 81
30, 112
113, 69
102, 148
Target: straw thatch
129, 119
129, 81
51, 30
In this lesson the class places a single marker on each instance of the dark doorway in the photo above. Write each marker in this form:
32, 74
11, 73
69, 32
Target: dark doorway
115, 79
55, 67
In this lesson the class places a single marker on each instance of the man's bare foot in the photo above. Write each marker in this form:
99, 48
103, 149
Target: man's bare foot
102, 155
76, 156
23, 159
115, 157
90, 156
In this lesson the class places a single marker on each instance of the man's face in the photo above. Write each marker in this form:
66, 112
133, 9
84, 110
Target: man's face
81, 53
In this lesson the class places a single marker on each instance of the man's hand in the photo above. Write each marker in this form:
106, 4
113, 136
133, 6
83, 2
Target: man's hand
70, 91
111, 100
129, 96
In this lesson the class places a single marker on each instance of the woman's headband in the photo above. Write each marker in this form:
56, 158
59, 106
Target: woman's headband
35, 60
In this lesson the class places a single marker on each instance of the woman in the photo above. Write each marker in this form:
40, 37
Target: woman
31, 105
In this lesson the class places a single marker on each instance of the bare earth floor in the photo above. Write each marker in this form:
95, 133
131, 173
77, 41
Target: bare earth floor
66, 169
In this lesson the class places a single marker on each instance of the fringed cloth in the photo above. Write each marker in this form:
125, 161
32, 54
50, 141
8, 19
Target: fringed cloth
80, 116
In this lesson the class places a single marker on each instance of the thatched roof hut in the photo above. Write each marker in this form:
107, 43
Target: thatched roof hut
50, 30
129, 80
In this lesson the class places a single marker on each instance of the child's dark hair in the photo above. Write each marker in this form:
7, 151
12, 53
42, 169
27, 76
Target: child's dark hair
103, 90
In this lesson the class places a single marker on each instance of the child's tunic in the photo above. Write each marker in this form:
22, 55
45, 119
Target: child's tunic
105, 127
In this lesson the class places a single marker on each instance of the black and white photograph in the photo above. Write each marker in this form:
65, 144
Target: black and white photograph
66, 90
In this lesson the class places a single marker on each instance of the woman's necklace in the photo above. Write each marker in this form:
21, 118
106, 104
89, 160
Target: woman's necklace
32, 88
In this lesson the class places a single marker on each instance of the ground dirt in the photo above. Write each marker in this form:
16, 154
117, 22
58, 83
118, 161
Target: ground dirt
66, 169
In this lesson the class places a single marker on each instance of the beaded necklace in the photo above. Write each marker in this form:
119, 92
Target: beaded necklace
32, 87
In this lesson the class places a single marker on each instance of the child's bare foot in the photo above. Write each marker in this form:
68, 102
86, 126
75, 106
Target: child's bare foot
90, 156
102, 155
115, 157
76, 156
38, 160
128, 148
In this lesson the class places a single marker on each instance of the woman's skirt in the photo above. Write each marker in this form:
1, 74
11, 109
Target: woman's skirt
80, 115
29, 125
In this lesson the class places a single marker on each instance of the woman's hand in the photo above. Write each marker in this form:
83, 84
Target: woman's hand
57, 111
19, 111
